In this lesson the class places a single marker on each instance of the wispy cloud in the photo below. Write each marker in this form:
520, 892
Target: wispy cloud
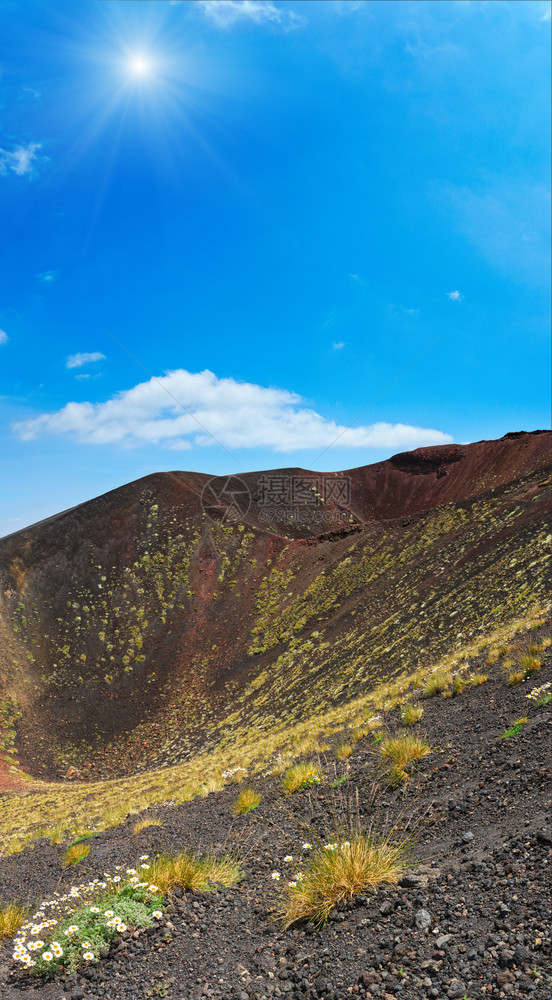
455, 296
21, 160
47, 276
357, 279
227, 13
338, 345
83, 358
3, 337
507, 221
236, 414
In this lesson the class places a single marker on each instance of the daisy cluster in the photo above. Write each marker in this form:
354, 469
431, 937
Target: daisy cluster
537, 693
51, 938
289, 860
292, 882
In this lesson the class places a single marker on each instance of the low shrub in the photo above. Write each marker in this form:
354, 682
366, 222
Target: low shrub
300, 776
246, 801
70, 930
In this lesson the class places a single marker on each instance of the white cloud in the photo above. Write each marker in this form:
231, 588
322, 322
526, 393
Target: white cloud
227, 13
358, 279
47, 276
455, 296
20, 161
82, 358
338, 345
3, 337
217, 410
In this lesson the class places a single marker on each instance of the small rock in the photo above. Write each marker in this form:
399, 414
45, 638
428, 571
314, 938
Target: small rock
411, 881
522, 955
386, 908
422, 919
444, 939
456, 989
544, 836
468, 836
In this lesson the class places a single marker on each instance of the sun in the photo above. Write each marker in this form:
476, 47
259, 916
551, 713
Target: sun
140, 65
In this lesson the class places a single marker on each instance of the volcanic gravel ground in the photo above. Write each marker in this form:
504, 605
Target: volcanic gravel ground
470, 919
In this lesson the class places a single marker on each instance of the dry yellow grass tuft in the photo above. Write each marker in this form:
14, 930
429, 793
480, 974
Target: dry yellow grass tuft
437, 682
402, 752
246, 801
339, 871
144, 823
301, 776
410, 714
12, 916
75, 853
192, 871
476, 679
516, 677
343, 751
530, 664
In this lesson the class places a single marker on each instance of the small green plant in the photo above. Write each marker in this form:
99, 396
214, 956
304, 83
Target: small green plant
246, 801
411, 714
300, 776
402, 752
12, 917
343, 751
514, 729
339, 781
75, 853
437, 682
338, 871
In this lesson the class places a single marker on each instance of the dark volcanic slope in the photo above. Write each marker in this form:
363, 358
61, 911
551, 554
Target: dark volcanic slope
479, 810
137, 617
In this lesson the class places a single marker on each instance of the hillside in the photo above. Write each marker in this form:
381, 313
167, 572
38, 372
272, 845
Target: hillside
133, 626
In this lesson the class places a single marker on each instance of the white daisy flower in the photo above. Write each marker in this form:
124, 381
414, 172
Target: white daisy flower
288, 857
47, 956
307, 846
88, 956
275, 876
292, 885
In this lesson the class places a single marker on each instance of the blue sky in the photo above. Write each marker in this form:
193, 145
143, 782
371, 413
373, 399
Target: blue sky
227, 227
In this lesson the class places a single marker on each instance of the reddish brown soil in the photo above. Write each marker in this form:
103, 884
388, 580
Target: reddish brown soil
44, 566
